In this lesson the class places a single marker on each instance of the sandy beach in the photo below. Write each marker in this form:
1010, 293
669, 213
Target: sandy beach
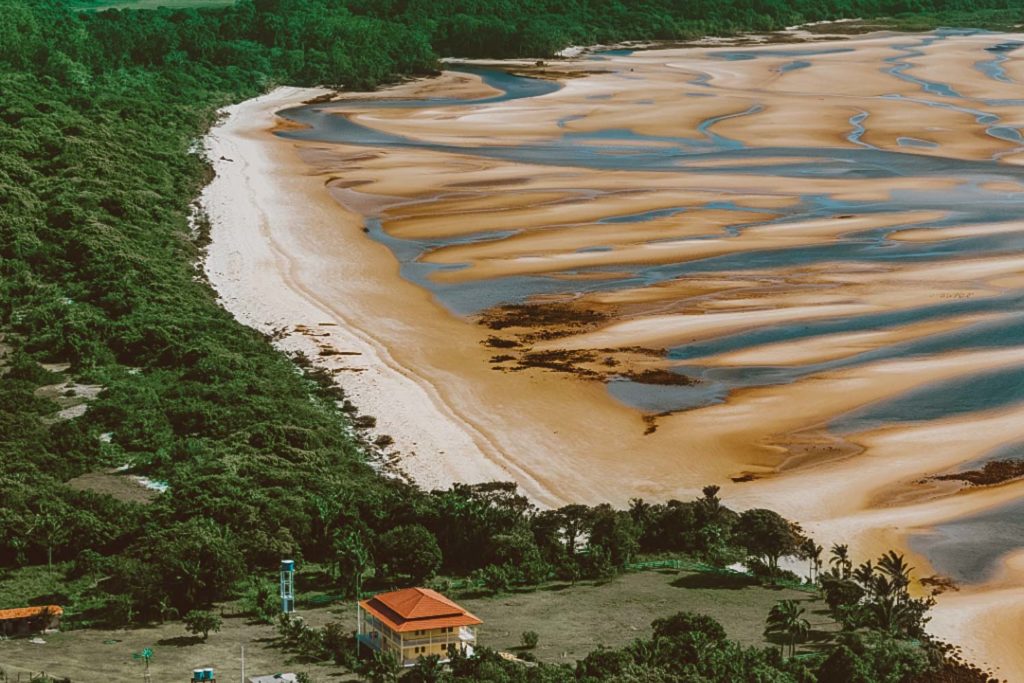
483, 290
286, 259
253, 266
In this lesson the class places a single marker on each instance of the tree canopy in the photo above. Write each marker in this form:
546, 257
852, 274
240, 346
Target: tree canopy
101, 246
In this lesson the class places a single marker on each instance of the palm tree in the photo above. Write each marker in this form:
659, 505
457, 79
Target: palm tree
894, 566
887, 613
786, 619
50, 527
812, 551
865, 576
882, 588
351, 558
711, 502
840, 560
640, 511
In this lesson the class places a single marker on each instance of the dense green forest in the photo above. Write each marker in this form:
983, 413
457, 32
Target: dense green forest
100, 113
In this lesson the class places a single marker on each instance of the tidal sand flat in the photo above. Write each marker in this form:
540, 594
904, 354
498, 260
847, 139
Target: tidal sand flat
794, 270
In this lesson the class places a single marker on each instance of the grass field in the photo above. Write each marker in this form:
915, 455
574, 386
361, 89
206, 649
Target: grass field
90, 655
570, 620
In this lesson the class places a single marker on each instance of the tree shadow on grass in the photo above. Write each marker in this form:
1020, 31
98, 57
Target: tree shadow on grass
557, 587
180, 641
92, 616
817, 639
318, 580
714, 580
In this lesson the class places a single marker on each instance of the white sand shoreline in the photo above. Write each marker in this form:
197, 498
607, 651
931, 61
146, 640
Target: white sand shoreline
250, 208
279, 241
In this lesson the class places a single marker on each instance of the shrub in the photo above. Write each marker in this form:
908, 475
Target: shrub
339, 644
119, 612
201, 621
291, 629
494, 578
365, 422
261, 601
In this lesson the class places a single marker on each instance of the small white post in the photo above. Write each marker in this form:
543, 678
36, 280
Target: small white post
359, 625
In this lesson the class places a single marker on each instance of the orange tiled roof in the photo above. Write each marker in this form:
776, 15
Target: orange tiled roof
417, 609
29, 612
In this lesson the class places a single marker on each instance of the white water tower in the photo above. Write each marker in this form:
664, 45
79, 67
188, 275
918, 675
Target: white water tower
287, 586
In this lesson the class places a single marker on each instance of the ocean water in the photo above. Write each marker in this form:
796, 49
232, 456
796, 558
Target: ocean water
954, 548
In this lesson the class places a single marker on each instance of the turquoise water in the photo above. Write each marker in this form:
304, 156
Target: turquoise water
955, 548
968, 550
623, 149
993, 68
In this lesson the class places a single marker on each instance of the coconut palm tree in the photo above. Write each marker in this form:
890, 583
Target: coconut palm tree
894, 566
840, 561
888, 613
351, 559
786, 619
711, 503
812, 551
640, 511
882, 588
865, 576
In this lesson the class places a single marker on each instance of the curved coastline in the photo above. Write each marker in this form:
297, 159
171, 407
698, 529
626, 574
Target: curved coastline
443, 436
253, 264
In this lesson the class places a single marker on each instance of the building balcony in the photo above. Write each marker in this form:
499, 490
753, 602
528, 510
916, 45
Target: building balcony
370, 642
462, 635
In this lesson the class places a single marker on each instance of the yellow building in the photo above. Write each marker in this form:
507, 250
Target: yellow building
415, 622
